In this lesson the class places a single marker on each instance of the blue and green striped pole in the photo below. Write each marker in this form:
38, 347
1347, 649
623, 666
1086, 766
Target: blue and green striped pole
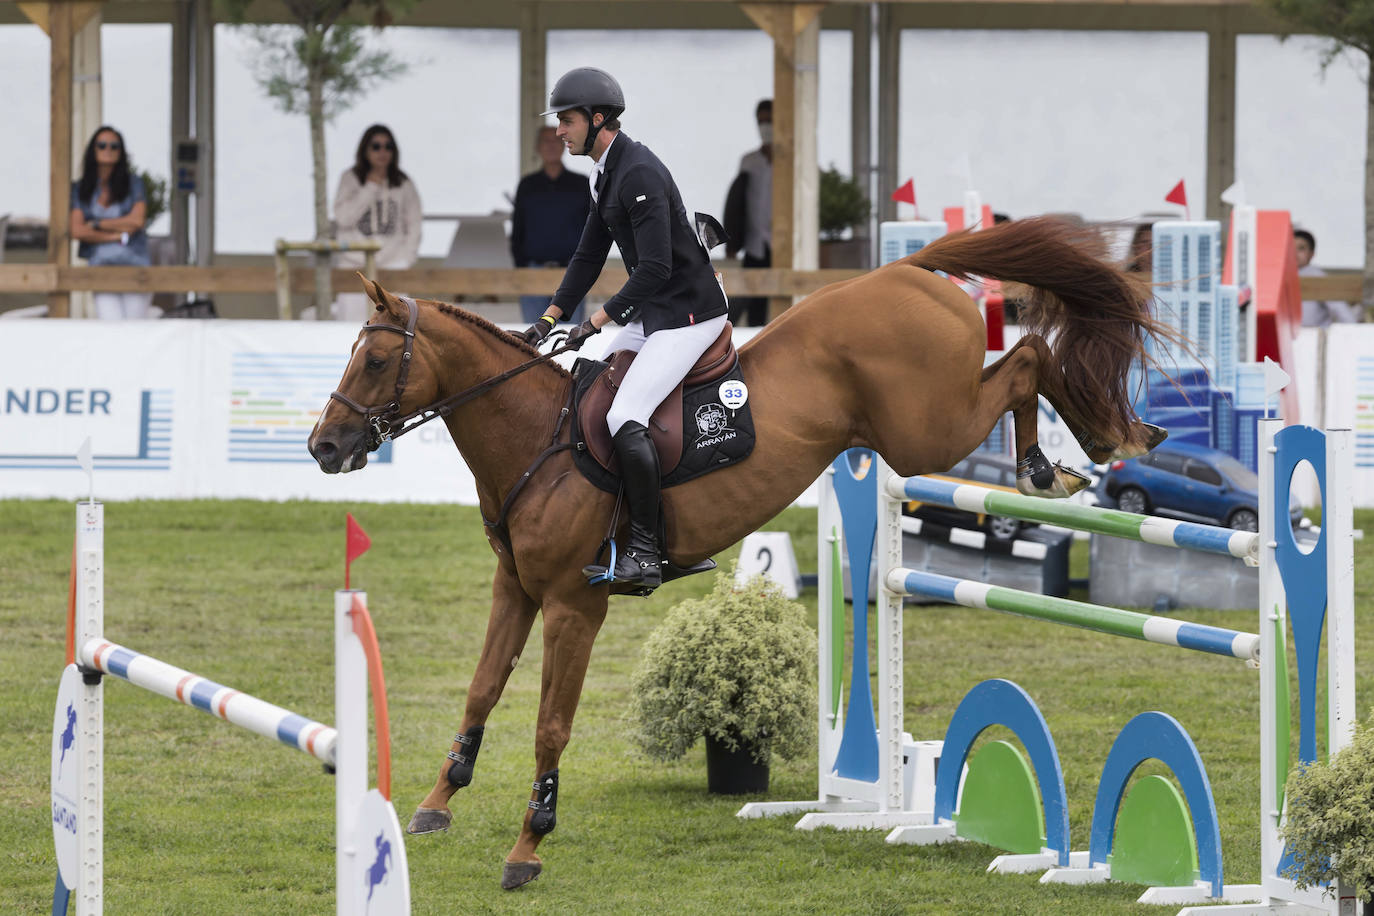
1114, 621
1148, 529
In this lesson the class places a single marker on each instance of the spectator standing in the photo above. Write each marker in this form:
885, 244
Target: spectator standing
109, 208
551, 206
376, 201
1317, 313
749, 214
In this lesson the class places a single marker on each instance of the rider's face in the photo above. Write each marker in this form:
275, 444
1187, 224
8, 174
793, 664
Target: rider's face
572, 130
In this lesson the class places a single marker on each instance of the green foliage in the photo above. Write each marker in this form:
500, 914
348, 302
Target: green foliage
1350, 23
155, 196
735, 665
842, 204
285, 56
1330, 828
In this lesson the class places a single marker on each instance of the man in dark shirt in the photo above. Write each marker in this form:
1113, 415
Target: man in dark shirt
550, 207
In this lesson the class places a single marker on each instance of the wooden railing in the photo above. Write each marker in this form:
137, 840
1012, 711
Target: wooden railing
438, 283
444, 283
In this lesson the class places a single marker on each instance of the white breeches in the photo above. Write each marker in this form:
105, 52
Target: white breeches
665, 357
115, 306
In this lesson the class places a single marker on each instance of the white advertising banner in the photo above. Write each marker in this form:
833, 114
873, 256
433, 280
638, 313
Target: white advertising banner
1349, 394
192, 409
222, 409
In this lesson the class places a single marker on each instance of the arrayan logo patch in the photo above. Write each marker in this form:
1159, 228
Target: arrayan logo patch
713, 426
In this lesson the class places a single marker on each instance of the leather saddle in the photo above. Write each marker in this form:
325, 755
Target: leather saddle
665, 426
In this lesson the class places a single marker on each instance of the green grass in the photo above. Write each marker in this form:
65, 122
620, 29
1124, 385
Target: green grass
202, 818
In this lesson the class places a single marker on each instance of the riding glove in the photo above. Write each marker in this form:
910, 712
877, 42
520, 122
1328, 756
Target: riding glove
578, 335
534, 335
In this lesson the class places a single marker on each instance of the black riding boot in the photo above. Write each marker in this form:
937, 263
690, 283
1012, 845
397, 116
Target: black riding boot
638, 560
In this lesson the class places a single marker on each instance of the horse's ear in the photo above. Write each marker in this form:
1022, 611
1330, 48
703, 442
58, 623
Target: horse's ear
385, 301
372, 289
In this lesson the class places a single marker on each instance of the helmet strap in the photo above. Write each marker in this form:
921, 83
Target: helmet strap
592, 131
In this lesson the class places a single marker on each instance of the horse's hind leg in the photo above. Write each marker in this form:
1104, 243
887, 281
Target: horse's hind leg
512, 615
1013, 383
1140, 439
570, 628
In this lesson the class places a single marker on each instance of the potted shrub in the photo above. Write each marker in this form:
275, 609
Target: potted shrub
1330, 827
737, 668
844, 209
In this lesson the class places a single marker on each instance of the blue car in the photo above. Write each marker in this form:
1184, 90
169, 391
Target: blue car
1191, 482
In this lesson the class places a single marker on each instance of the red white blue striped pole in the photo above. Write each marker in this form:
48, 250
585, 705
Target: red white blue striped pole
241, 709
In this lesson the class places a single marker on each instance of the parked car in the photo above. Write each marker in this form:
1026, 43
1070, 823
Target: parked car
1192, 482
984, 469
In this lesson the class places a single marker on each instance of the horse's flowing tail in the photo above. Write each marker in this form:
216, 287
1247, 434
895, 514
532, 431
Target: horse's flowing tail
1095, 316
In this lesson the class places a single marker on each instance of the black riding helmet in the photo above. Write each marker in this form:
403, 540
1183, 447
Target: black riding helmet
590, 90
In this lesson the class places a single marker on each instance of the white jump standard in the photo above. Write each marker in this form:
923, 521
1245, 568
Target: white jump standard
370, 861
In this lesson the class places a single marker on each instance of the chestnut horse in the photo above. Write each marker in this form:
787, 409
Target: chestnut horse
891, 360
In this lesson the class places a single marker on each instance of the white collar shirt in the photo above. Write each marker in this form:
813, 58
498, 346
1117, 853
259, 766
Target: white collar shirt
594, 178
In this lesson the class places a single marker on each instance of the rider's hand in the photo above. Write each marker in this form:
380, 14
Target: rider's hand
578, 335
534, 335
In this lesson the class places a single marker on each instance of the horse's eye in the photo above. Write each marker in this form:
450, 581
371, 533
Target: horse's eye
375, 364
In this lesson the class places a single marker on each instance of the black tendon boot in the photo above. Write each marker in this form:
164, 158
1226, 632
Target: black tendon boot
638, 561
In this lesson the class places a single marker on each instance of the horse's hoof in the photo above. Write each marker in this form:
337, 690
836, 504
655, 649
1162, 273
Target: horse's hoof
1148, 436
429, 820
518, 874
1067, 482
1143, 444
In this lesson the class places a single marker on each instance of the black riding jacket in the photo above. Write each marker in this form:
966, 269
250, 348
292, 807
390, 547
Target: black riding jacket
672, 283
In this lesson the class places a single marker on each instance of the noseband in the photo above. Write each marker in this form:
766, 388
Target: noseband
385, 422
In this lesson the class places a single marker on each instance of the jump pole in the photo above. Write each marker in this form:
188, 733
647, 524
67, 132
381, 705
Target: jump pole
1322, 600
370, 863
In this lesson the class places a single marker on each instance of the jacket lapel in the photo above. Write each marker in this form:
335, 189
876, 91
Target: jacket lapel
613, 155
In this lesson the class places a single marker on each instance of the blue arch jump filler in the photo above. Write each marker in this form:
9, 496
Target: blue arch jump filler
1000, 702
1157, 736
857, 757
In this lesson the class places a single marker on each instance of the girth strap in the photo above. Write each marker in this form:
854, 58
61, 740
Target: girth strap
498, 527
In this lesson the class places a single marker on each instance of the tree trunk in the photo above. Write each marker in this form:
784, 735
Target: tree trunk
324, 295
1367, 291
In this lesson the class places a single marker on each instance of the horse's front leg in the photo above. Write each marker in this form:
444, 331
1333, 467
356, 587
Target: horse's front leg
570, 628
512, 615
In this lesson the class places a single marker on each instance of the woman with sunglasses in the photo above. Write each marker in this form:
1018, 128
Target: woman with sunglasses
376, 201
108, 211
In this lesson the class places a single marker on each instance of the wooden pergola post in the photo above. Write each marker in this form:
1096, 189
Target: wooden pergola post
889, 96
795, 30
60, 30
62, 19
534, 85
1221, 113
861, 116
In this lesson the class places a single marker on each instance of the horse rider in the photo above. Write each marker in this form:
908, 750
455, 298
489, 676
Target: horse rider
671, 308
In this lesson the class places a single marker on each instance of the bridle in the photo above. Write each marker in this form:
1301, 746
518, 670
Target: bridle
385, 421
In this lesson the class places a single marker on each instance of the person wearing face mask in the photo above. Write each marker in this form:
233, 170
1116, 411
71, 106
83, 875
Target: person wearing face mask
672, 308
749, 215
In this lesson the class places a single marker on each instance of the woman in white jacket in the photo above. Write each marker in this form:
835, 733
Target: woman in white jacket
376, 201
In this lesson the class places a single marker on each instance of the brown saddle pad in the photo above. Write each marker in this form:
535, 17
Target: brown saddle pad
665, 426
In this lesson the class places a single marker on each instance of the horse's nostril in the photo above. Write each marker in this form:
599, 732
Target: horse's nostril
324, 450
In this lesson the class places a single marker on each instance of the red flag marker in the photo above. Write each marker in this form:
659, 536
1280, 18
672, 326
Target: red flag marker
906, 194
356, 544
1178, 195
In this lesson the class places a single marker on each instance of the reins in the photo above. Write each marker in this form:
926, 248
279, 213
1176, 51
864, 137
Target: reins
385, 422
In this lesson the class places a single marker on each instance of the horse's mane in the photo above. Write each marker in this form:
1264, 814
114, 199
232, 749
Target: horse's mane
504, 336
